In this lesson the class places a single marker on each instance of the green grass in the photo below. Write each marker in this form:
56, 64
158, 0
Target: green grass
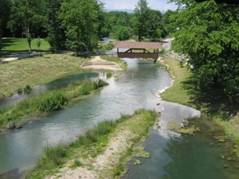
93, 143
38, 70
41, 70
20, 44
177, 93
49, 101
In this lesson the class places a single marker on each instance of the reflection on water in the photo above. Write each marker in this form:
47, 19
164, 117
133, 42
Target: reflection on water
133, 89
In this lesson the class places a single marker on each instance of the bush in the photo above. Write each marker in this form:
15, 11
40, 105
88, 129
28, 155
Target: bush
27, 89
86, 88
52, 102
122, 33
100, 84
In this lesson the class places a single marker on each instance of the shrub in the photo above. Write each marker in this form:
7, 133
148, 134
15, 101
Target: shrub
86, 88
27, 89
52, 102
77, 163
100, 84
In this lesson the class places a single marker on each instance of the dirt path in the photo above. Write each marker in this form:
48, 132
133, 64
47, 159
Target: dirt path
119, 143
122, 140
97, 63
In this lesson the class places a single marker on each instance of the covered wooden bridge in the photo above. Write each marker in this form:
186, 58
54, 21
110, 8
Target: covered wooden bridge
138, 49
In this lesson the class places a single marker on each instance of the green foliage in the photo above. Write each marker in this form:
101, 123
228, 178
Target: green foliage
56, 34
148, 22
77, 163
27, 89
120, 23
47, 102
80, 19
29, 16
93, 143
53, 102
141, 12
122, 33
4, 16
208, 34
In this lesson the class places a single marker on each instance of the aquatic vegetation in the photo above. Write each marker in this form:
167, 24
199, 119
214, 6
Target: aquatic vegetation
14, 116
52, 102
95, 142
27, 89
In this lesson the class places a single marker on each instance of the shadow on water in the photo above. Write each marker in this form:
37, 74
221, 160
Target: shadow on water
176, 156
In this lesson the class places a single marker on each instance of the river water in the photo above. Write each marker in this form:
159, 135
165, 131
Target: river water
136, 88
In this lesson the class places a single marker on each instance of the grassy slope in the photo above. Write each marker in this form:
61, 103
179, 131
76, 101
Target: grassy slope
39, 70
20, 44
179, 94
47, 102
82, 152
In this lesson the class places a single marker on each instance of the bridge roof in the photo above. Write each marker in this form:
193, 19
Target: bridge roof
139, 45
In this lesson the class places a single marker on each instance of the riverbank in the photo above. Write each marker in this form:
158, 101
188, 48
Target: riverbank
31, 109
104, 63
100, 153
180, 94
41, 70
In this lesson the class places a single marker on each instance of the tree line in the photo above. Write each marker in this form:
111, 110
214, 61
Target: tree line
77, 24
208, 34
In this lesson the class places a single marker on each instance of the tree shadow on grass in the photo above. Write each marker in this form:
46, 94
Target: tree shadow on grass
213, 100
6, 42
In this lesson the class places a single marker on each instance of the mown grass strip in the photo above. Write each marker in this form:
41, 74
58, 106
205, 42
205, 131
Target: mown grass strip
177, 93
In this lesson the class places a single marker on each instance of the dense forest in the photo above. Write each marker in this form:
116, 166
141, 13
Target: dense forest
77, 24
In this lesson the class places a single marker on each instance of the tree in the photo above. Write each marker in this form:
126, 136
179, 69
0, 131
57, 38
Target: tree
117, 20
155, 28
122, 33
80, 19
4, 15
30, 16
56, 34
141, 13
209, 34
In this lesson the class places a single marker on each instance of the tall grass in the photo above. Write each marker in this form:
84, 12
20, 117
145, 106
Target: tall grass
93, 143
89, 145
49, 101
52, 102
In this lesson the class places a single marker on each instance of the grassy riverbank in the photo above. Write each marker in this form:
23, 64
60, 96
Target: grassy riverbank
180, 94
40, 70
101, 153
177, 93
15, 116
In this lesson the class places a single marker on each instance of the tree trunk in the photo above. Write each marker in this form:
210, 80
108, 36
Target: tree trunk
29, 39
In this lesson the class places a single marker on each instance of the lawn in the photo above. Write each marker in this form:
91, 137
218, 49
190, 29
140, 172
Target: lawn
20, 44
38, 70
177, 93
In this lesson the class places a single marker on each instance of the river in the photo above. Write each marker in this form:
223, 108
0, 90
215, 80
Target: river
134, 89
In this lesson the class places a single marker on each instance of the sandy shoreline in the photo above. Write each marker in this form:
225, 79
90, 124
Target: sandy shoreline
97, 63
